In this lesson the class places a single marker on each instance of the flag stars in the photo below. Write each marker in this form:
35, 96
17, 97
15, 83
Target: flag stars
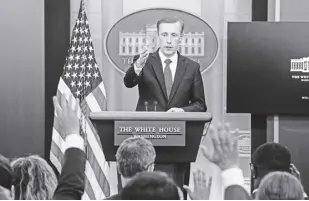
74, 75
79, 48
82, 66
85, 49
88, 75
69, 66
87, 83
73, 48
77, 92
90, 57
90, 48
76, 30
80, 39
74, 40
75, 67
77, 57
71, 57
89, 66
96, 65
73, 84
79, 84
81, 75
67, 75
96, 75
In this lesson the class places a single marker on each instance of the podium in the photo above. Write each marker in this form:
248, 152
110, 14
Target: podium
179, 134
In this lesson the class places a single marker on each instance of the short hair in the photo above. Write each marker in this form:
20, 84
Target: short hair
272, 157
280, 186
150, 186
6, 177
34, 179
171, 20
135, 155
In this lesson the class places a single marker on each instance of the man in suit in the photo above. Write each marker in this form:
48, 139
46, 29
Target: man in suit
167, 80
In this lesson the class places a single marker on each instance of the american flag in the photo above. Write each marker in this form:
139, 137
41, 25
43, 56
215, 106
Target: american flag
82, 79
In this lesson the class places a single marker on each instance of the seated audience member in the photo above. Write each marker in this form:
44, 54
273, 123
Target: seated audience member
225, 155
6, 179
280, 186
271, 157
150, 186
71, 184
34, 179
133, 156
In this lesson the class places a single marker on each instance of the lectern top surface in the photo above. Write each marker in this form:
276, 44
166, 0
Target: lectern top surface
171, 116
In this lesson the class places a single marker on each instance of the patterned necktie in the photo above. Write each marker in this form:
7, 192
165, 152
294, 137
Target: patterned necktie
168, 77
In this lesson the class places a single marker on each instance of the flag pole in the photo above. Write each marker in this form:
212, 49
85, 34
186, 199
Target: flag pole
83, 92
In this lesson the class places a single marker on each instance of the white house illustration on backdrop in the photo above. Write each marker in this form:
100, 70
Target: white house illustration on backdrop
130, 44
300, 65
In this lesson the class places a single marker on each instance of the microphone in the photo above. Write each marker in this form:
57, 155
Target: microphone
155, 105
146, 105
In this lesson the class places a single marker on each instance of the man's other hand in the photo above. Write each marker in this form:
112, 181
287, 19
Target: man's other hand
141, 61
175, 109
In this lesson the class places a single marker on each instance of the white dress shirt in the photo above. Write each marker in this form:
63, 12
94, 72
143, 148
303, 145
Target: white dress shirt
173, 65
232, 176
75, 141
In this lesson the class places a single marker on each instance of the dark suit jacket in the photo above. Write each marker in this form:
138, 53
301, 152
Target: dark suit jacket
187, 90
71, 183
236, 192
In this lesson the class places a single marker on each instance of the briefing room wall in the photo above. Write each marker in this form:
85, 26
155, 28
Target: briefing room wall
104, 14
22, 77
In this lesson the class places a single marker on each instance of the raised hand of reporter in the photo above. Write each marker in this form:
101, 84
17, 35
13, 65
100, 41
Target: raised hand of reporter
225, 153
67, 114
202, 186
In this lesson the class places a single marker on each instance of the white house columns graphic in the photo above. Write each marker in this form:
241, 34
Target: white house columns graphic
300, 65
130, 44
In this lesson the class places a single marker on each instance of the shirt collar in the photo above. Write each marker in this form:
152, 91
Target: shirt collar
174, 58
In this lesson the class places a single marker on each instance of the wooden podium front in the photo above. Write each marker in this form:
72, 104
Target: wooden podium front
176, 136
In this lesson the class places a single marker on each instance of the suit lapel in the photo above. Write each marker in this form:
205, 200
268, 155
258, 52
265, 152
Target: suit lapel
180, 70
158, 69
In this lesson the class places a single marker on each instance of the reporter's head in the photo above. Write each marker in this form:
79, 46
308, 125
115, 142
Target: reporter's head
135, 155
280, 186
33, 178
150, 186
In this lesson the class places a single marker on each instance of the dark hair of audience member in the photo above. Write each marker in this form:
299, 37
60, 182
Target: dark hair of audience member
135, 155
270, 157
6, 178
280, 186
150, 186
34, 179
